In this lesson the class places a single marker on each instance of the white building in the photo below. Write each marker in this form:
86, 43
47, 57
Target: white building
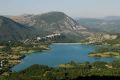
38, 38
1, 64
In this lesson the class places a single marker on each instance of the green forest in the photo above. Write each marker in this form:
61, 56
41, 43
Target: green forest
86, 69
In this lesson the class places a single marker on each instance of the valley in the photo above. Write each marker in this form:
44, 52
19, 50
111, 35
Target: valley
59, 40
31, 37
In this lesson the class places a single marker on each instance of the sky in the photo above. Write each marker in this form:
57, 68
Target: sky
73, 8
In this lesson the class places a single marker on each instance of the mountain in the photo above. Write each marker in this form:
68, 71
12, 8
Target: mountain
112, 18
11, 30
107, 24
52, 22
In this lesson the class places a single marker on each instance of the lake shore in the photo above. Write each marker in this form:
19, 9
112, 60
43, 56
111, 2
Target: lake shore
17, 53
70, 43
105, 54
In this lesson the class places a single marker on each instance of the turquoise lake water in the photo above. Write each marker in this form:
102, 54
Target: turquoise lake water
59, 54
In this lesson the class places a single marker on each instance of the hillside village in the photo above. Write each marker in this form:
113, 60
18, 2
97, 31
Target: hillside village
100, 37
45, 38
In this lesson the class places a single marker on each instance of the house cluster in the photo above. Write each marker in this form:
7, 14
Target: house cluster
99, 37
51, 36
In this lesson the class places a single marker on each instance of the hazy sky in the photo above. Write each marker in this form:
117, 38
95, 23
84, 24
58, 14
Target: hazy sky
74, 8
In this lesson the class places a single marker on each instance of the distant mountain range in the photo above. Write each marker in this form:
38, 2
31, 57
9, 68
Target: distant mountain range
112, 18
109, 24
30, 26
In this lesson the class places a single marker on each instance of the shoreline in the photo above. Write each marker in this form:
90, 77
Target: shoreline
34, 51
25, 53
68, 43
105, 54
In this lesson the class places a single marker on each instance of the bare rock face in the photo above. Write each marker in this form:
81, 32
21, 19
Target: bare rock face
52, 22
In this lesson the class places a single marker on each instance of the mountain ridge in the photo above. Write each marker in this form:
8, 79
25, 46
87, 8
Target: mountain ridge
32, 26
52, 22
11, 30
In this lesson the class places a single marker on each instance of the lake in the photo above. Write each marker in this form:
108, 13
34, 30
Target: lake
60, 53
